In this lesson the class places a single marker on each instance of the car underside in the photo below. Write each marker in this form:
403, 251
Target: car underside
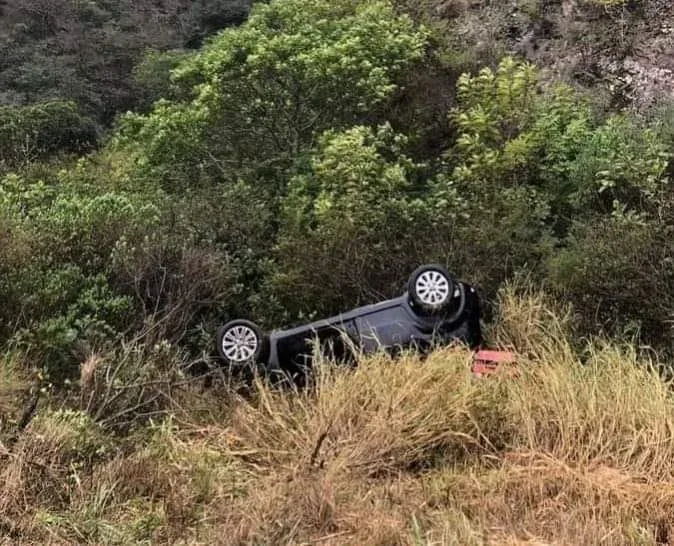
391, 325
433, 310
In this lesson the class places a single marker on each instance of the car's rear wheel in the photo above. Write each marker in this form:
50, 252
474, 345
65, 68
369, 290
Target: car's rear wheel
431, 288
242, 342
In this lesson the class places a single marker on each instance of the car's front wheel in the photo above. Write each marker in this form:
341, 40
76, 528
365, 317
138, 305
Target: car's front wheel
242, 342
431, 288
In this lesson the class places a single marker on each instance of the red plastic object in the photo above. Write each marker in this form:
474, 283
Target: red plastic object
488, 361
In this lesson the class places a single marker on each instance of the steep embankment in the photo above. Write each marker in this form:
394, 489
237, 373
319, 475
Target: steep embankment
408, 452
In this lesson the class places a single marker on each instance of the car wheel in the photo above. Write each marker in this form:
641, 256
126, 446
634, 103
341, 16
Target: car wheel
431, 288
241, 342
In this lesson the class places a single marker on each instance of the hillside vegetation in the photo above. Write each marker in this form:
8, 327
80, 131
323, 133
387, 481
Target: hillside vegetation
98, 53
192, 162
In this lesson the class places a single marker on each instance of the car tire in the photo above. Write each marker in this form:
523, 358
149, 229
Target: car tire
431, 288
242, 343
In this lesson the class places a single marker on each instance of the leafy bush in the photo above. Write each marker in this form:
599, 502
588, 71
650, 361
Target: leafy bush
67, 314
29, 133
618, 272
514, 131
152, 77
83, 265
56, 285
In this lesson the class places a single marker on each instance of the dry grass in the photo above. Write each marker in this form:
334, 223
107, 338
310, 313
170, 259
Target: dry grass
408, 452
13, 385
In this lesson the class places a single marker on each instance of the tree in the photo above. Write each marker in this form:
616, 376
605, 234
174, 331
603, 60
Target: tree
260, 93
353, 225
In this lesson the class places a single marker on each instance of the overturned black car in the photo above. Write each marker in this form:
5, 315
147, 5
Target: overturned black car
434, 310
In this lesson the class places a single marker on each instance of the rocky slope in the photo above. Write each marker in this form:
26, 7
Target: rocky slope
625, 51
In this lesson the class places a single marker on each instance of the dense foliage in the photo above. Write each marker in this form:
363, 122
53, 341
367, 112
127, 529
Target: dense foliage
257, 96
305, 162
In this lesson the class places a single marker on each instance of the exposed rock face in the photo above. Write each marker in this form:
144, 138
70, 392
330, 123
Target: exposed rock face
650, 70
627, 51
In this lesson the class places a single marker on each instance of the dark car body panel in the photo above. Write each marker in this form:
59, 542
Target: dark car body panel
389, 325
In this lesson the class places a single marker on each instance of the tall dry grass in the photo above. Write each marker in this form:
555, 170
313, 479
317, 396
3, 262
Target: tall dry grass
13, 385
412, 452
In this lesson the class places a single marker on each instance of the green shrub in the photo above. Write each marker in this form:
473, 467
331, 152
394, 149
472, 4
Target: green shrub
56, 284
68, 314
32, 132
618, 272
152, 76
